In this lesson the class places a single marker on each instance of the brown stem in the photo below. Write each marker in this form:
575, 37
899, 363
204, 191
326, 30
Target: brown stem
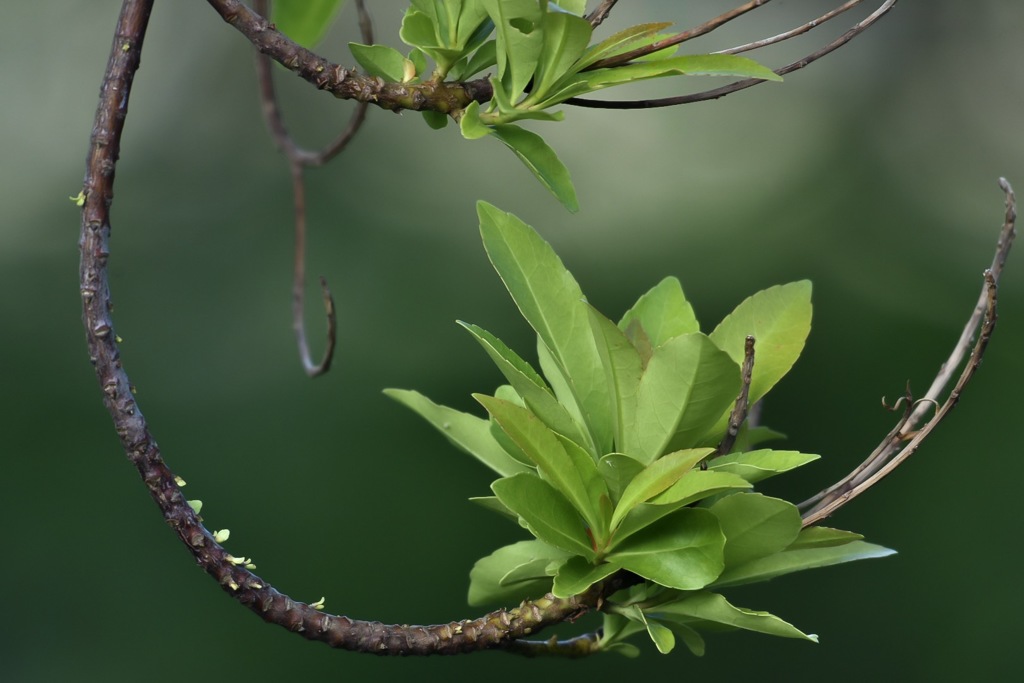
739, 410
905, 438
493, 630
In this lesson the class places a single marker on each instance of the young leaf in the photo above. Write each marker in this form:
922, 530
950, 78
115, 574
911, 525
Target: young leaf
571, 475
686, 386
655, 478
381, 61
663, 313
698, 485
519, 41
707, 606
682, 550
761, 464
546, 512
623, 368
305, 21
822, 536
435, 119
620, 42
551, 301
618, 469
485, 585
755, 526
565, 38
779, 318
467, 432
577, 575
789, 561
470, 125
542, 162
530, 386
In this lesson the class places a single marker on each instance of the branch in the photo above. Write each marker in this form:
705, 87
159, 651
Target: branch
715, 93
905, 438
597, 17
739, 410
494, 630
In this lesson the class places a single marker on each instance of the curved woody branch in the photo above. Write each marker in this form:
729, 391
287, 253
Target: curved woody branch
494, 630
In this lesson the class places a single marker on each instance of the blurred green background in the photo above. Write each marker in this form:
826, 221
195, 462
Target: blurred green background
873, 173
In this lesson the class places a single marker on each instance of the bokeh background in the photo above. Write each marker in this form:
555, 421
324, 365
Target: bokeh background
873, 173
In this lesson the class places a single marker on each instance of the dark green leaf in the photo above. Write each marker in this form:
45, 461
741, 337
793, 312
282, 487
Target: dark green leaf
435, 119
542, 162
546, 512
755, 526
305, 21
467, 432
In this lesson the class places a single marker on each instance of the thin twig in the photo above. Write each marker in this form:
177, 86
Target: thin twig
905, 438
739, 410
724, 90
601, 13
799, 30
298, 158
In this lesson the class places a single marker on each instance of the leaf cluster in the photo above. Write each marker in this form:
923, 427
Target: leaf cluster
608, 455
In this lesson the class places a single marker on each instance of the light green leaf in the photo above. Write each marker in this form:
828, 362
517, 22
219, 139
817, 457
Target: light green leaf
682, 550
470, 125
546, 512
623, 368
542, 162
755, 526
663, 313
707, 606
660, 634
305, 21
485, 586
655, 478
789, 561
565, 39
761, 464
618, 469
484, 58
686, 386
779, 318
381, 61
494, 505
577, 575
698, 485
551, 301
623, 41
823, 536
534, 391
467, 432
572, 475
519, 41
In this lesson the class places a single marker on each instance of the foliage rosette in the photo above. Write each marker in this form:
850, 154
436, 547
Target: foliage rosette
610, 454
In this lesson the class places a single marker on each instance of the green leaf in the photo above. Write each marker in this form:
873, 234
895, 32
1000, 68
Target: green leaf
467, 432
823, 536
577, 575
574, 476
707, 606
686, 386
698, 485
789, 561
623, 368
484, 58
546, 512
470, 125
663, 313
485, 586
565, 38
755, 526
519, 41
534, 391
682, 550
618, 469
623, 41
381, 61
305, 21
761, 464
419, 31
551, 301
542, 162
655, 478
435, 119
660, 634
494, 505
779, 318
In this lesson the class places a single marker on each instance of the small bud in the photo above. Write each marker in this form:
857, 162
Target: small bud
221, 535
408, 70
196, 505
319, 604
178, 480
78, 199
